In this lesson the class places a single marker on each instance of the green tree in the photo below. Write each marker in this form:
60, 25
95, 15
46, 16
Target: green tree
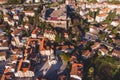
59, 38
65, 56
1, 17
11, 1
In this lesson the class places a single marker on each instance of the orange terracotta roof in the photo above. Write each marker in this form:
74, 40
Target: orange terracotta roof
29, 11
89, 18
36, 30
86, 53
104, 50
20, 64
95, 44
6, 16
76, 64
65, 47
17, 31
103, 15
105, 9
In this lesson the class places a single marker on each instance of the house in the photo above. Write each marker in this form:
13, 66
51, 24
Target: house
70, 2
83, 12
76, 71
6, 18
105, 10
50, 34
25, 19
112, 6
64, 48
4, 43
103, 27
101, 17
16, 17
36, 1
27, 26
94, 9
95, 46
11, 22
36, 7
115, 23
57, 17
29, 1
112, 35
23, 69
116, 53
13, 11
3, 56
81, 5
93, 30
116, 41
117, 11
3, 1
12, 28
90, 19
103, 51
91, 37
100, 1
47, 51
17, 32
73, 59
86, 54
35, 32
29, 13
32, 1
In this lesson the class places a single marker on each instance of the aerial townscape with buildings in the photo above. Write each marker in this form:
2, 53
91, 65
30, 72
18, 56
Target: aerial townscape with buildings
59, 39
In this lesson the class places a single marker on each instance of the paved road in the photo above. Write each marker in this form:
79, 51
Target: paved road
50, 72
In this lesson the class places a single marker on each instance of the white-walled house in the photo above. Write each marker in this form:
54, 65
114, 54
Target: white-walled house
37, 1
116, 53
93, 30
115, 23
11, 22
6, 17
50, 34
16, 17
117, 11
86, 54
95, 46
29, 13
112, 6
90, 19
13, 11
29, 1
101, 17
83, 12
27, 26
16, 36
35, 32
105, 10
100, 1
3, 56
25, 19
103, 51
47, 52
64, 48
